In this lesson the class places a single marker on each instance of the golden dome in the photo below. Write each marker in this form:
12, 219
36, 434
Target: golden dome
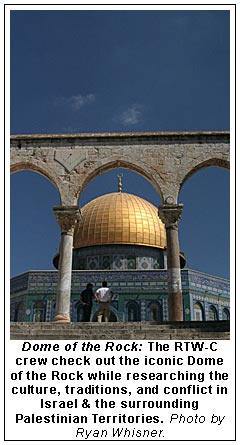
120, 218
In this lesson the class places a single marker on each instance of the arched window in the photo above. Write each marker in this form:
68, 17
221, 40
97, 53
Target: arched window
225, 314
198, 312
133, 312
20, 313
39, 311
213, 315
154, 311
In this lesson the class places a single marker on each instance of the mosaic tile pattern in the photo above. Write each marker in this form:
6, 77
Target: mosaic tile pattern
119, 262
20, 282
92, 262
128, 285
118, 257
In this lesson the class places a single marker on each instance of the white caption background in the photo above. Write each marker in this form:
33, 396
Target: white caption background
118, 390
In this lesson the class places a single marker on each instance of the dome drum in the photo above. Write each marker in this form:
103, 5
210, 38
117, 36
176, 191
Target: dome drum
118, 257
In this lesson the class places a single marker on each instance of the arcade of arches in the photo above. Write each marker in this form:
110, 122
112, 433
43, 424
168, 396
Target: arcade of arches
119, 232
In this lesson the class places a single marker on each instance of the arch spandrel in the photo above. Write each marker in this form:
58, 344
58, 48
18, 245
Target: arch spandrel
27, 153
165, 159
129, 164
222, 162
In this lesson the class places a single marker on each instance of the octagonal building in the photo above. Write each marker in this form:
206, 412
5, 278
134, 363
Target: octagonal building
122, 240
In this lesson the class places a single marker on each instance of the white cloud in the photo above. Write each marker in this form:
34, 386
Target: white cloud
132, 115
79, 100
75, 102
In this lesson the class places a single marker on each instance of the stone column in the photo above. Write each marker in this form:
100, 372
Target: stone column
170, 215
67, 217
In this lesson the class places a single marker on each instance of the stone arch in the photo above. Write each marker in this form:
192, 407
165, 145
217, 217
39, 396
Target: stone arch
205, 196
25, 166
110, 164
213, 162
32, 198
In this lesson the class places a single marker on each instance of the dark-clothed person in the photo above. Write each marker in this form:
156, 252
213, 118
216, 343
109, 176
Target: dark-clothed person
86, 298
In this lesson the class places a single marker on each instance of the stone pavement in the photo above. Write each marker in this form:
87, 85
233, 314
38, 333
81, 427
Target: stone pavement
187, 330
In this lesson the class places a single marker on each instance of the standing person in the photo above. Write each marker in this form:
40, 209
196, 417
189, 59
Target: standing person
86, 298
104, 296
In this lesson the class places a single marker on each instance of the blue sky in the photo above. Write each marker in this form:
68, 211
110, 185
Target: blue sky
96, 71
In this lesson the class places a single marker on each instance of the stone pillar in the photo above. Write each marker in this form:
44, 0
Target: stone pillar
170, 215
67, 217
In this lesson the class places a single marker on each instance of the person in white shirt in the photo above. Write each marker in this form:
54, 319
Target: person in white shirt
104, 296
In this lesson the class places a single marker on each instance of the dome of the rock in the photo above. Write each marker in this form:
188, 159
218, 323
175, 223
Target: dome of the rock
119, 231
120, 218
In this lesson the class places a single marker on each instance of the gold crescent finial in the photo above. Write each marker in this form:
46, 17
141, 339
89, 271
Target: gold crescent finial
119, 182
